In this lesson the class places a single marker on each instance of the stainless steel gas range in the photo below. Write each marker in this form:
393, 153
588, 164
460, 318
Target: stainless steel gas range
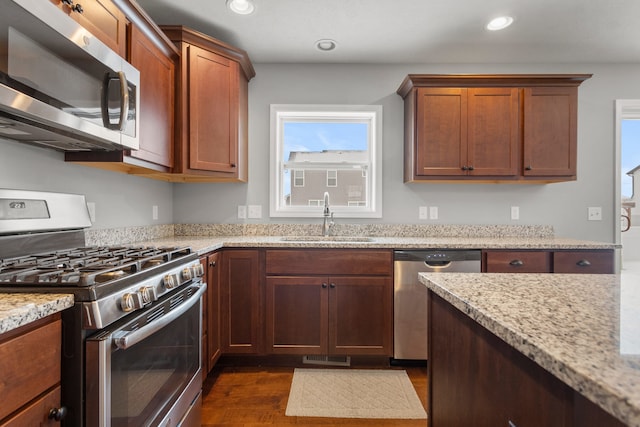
132, 341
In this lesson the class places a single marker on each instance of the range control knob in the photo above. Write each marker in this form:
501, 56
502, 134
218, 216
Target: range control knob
197, 270
186, 274
170, 281
131, 301
148, 294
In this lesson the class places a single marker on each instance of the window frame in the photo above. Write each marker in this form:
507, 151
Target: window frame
370, 114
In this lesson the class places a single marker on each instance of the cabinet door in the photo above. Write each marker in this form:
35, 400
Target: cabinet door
360, 315
213, 112
204, 348
213, 318
296, 311
441, 132
103, 19
239, 301
517, 262
493, 131
157, 89
550, 126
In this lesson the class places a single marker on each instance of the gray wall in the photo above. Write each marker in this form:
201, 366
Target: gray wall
562, 205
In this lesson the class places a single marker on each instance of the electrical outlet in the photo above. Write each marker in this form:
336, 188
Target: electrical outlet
91, 208
433, 212
594, 213
423, 213
242, 211
254, 211
154, 212
515, 212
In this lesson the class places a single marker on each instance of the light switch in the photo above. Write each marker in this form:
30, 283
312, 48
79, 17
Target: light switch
242, 211
433, 212
423, 212
515, 212
594, 213
154, 212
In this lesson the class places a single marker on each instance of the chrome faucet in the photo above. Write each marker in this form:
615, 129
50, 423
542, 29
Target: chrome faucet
328, 217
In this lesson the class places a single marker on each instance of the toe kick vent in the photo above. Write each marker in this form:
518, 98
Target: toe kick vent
327, 360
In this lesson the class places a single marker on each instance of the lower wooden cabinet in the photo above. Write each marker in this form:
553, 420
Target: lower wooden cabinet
548, 261
30, 373
240, 307
329, 301
333, 315
475, 378
211, 349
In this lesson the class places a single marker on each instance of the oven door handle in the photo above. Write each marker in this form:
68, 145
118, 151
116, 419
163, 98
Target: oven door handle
131, 338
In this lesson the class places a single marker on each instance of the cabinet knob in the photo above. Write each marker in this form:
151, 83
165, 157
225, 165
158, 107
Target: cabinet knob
516, 263
58, 414
77, 8
464, 168
324, 285
233, 165
470, 168
332, 285
528, 167
212, 264
583, 263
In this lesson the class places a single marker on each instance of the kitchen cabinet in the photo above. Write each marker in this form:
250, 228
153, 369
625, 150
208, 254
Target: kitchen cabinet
102, 18
490, 128
156, 58
240, 307
548, 261
212, 109
329, 301
471, 368
30, 371
212, 318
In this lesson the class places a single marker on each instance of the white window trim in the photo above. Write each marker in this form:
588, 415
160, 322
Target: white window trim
279, 113
295, 178
334, 172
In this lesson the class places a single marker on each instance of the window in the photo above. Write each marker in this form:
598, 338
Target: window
326, 148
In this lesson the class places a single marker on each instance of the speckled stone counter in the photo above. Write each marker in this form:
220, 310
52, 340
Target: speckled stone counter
21, 309
584, 329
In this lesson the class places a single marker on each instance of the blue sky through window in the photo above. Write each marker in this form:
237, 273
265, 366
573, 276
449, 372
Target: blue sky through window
319, 136
630, 154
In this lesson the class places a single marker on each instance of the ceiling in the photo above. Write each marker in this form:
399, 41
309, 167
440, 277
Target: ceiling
418, 31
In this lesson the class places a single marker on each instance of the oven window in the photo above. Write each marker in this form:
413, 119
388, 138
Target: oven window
147, 378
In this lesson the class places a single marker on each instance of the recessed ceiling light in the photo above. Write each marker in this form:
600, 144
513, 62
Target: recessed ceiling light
241, 7
499, 23
326, 45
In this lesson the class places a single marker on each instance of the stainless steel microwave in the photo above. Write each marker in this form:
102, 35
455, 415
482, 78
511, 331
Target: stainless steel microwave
60, 86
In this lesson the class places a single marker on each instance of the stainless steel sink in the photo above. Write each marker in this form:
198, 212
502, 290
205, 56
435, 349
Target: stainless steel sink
326, 239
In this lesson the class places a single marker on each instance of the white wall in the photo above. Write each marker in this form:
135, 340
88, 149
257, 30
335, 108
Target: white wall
562, 205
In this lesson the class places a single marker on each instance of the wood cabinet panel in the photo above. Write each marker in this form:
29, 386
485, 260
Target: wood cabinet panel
473, 369
329, 261
550, 129
213, 268
36, 413
103, 19
297, 315
590, 262
31, 363
517, 262
240, 308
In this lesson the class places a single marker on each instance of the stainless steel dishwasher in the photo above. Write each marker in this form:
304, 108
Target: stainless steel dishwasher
410, 296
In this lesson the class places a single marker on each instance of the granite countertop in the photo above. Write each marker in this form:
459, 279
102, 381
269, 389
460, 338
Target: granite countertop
20, 309
584, 329
202, 245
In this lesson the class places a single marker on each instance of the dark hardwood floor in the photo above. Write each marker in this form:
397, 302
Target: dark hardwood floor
244, 396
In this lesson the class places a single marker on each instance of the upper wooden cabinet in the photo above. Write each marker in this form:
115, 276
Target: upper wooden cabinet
102, 18
157, 58
490, 127
212, 109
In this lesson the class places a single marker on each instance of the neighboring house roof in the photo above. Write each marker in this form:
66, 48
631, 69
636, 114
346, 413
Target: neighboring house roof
634, 170
328, 156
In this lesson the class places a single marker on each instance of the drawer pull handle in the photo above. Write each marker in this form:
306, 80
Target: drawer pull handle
516, 263
583, 263
58, 414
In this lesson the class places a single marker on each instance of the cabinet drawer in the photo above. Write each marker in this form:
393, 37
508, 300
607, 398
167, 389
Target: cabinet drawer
598, 262
517, 262
329, 261
30, 366
37, 413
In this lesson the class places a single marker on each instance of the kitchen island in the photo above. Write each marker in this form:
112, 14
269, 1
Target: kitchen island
584, 330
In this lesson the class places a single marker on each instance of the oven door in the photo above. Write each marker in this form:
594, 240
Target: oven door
145, 370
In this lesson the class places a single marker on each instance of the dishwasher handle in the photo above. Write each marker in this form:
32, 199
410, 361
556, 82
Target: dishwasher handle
438, 264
